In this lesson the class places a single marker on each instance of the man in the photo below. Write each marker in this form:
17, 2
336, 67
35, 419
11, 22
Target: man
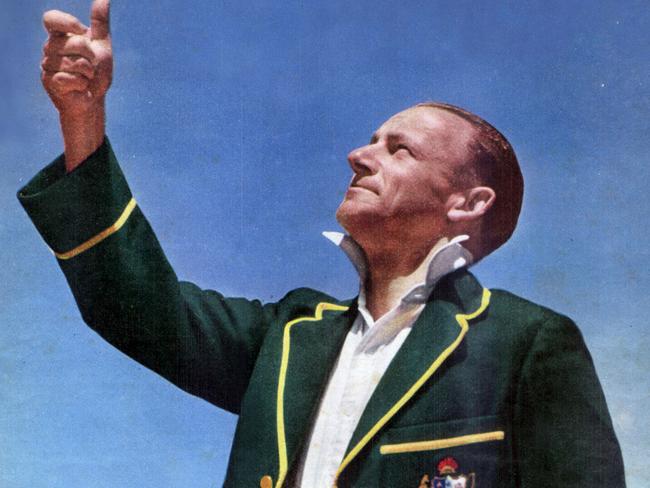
426, 379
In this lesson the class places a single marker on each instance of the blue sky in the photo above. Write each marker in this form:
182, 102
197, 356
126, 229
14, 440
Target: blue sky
232, 121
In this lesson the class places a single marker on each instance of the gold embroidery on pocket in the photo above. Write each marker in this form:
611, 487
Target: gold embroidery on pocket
497, 435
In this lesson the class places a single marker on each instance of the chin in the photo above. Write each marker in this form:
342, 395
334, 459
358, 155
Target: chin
357, 219
343, 215
350, 216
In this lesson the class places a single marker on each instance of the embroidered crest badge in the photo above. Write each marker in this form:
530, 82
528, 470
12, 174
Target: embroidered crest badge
448, 478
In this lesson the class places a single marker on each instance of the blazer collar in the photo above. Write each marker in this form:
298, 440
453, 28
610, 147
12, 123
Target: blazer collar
457, 299
449, 257
311, 344
310, 347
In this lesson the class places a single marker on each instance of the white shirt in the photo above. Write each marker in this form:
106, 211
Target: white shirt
368, 349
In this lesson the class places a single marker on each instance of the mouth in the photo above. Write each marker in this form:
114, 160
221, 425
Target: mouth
357, 185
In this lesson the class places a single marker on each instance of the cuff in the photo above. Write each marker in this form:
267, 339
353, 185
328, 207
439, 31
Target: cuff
74, 211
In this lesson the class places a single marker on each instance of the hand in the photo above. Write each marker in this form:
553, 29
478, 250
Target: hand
77, 64
77, 70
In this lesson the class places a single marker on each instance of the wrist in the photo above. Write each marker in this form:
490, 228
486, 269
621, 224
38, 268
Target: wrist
83, 132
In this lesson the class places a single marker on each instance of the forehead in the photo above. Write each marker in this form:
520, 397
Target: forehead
431, 128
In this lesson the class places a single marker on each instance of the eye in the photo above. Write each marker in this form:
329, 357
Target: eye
404, 147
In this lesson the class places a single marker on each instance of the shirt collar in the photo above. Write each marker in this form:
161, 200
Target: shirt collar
450, 257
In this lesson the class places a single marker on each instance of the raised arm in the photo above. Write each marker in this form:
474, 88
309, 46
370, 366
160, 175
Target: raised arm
125, 288
77, 70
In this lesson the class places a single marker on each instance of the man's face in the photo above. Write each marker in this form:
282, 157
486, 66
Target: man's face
403, 177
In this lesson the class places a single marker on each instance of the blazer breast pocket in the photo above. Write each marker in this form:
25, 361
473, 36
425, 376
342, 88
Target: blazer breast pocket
464, 453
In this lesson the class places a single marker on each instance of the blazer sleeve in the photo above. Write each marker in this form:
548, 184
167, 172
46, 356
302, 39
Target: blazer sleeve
126, 290
563, 431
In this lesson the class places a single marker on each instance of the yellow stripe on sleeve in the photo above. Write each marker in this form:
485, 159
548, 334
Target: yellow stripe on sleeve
102, 235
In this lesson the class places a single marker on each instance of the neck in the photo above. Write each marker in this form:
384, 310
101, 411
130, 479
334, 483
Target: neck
391, 273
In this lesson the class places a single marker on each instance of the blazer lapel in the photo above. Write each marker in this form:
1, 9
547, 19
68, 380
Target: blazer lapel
436, 334
311, 345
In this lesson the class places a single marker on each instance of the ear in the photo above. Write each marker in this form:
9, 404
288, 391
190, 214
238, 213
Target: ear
470, 204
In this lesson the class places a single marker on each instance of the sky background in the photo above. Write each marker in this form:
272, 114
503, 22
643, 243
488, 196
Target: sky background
232, 121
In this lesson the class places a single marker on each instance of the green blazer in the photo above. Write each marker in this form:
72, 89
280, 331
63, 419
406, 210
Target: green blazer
487, 385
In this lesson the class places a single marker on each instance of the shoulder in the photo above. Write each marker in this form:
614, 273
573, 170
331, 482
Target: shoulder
526, 322
508, 306
303, 301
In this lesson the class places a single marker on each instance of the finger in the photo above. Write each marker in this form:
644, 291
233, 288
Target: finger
64, 83
57, 22
69, 64
99, 19
69, 46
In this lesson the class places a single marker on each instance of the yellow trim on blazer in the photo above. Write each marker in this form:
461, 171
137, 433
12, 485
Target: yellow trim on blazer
463, 322
462, 440
102, 235
284, 364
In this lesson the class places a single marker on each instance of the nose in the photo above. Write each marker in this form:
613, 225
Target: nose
362, 161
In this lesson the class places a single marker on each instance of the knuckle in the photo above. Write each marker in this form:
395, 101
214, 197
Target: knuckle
75, 42
80, 45
51, 45
84, 66
56, 79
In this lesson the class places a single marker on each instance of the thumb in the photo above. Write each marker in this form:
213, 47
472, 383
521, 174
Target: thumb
99, 19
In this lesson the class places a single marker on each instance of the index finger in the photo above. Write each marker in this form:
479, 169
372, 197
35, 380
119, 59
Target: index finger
99, 19
57, 22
